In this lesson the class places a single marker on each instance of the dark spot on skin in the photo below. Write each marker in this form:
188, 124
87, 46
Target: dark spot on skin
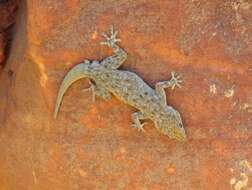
107, 75
134, 99
153, 113
149, 101
145, 93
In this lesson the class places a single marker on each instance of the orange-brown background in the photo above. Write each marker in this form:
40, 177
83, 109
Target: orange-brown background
91, 145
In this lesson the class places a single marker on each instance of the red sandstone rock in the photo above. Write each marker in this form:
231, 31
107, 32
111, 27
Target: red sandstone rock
7, 19
2, 47
90, 145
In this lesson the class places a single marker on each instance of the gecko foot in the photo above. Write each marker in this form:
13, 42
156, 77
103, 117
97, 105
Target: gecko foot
110, 41
138, 126
92, 89
175, 80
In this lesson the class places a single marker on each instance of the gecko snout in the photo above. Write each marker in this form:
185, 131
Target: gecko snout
171, 125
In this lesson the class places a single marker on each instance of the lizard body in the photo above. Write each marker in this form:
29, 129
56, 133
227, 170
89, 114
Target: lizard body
129, 88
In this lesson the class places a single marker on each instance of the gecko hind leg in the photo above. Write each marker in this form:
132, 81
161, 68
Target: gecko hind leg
172, 83
137, 116
119, 55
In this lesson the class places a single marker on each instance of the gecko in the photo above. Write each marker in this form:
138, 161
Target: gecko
107, 80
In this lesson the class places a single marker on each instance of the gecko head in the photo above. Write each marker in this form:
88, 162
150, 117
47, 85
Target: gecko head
171, 125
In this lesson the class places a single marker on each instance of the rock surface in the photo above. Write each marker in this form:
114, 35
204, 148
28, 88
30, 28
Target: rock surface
90, 145
7, 19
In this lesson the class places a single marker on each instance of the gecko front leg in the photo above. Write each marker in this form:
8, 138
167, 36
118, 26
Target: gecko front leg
172, 83
119, 55
137, 116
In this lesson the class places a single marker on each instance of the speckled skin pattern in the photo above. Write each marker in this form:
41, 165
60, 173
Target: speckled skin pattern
128, 87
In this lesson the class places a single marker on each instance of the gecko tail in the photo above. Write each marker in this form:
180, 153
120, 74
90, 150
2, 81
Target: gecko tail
75, 73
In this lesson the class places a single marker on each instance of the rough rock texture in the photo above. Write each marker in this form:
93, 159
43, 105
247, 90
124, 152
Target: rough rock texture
7, 19
90, 145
